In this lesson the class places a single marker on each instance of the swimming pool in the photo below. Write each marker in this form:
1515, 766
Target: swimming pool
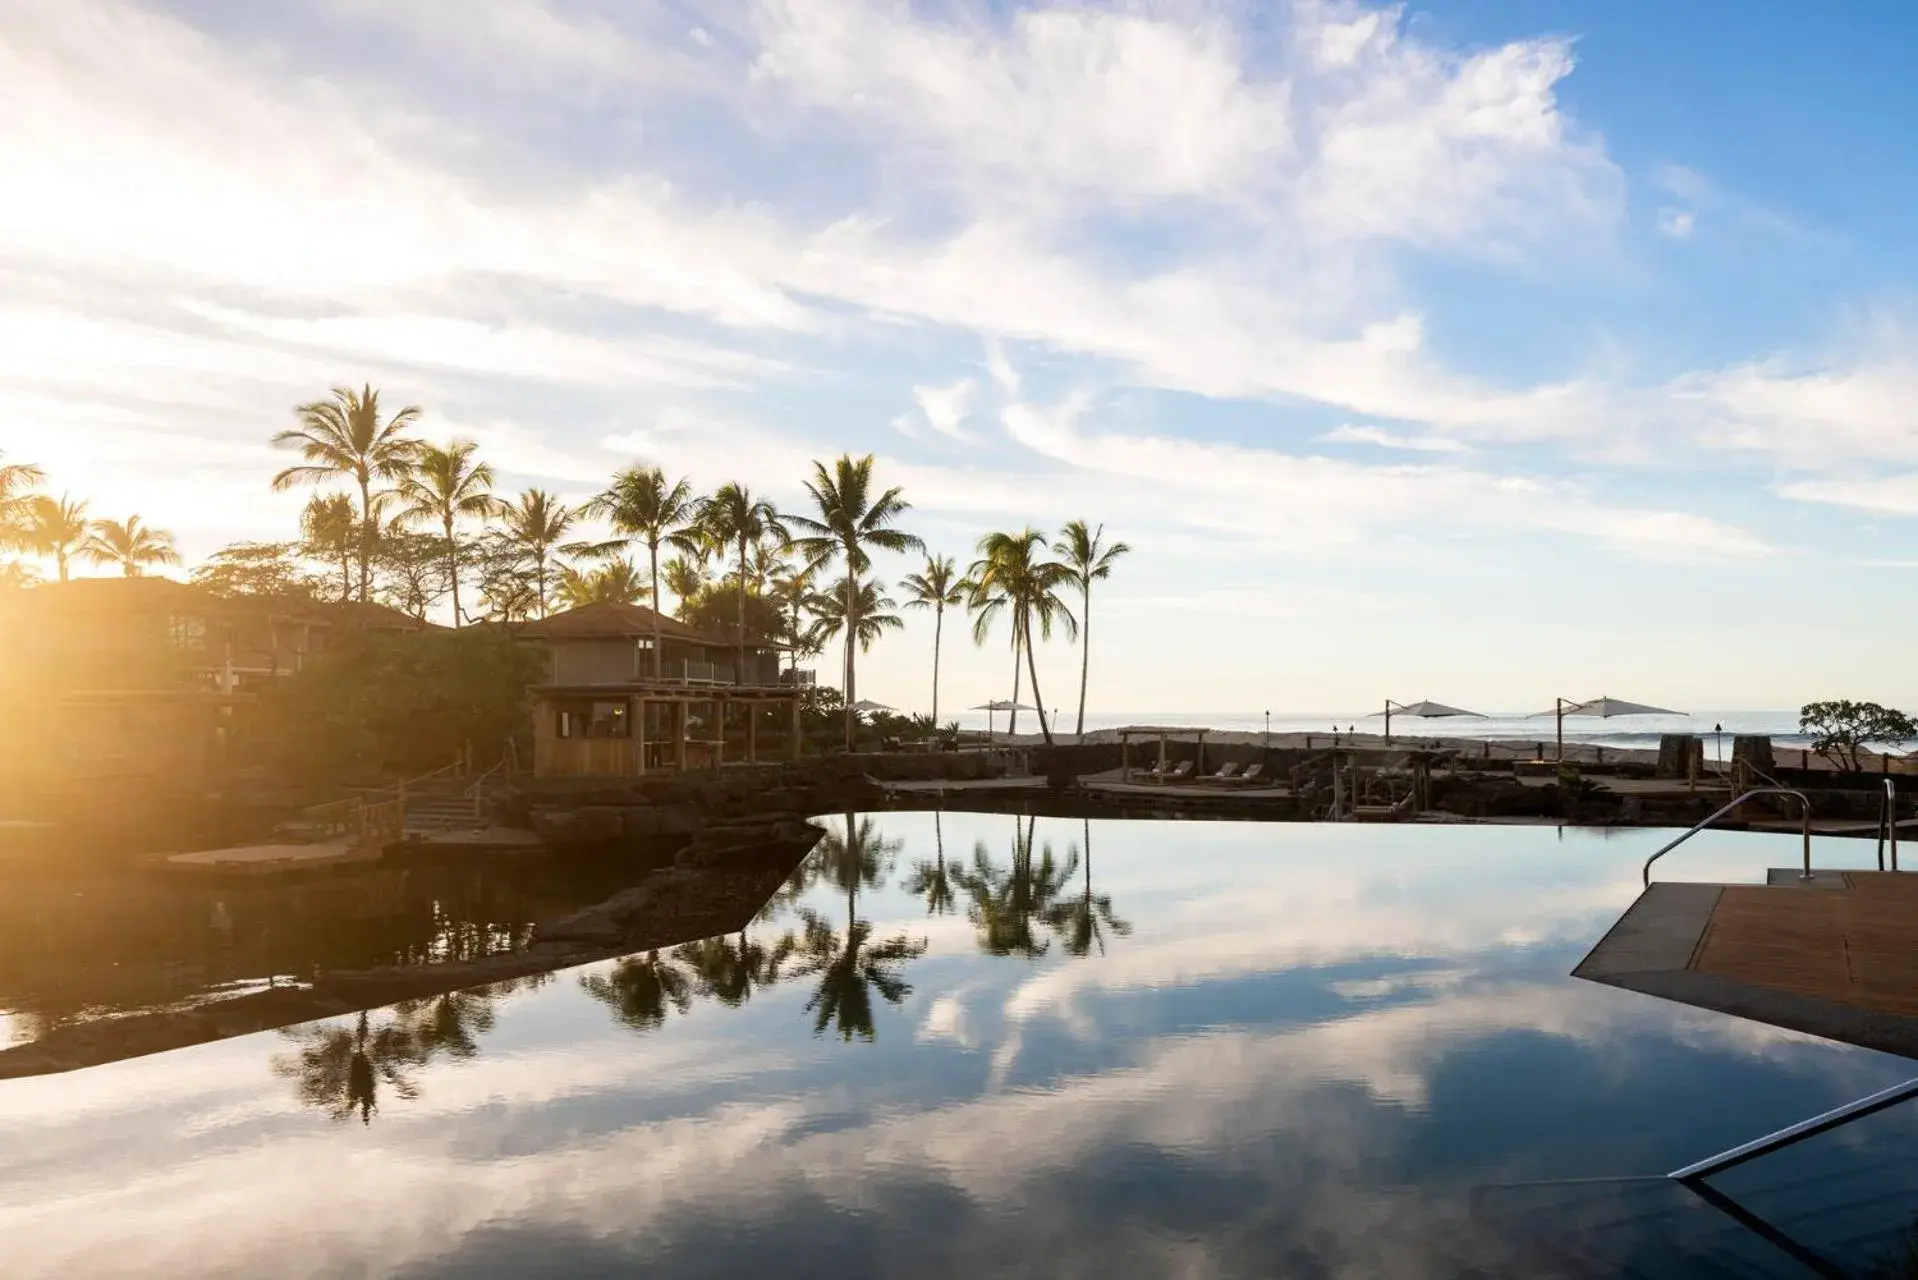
1118, 1048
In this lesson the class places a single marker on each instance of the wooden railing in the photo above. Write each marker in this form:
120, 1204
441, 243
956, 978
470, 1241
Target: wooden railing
359, 822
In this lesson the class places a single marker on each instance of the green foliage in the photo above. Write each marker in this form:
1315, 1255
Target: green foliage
267, 570
410, 571
714, 609
1842, 729
382, 704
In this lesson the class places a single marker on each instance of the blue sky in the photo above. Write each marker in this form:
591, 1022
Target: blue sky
1484, 352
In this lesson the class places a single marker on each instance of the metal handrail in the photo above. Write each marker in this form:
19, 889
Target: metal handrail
1804, 802
1888, 823
1796, 1133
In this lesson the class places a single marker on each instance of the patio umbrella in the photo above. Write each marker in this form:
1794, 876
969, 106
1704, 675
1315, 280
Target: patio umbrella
1424, 709
998, 704
867, 705
1602, 708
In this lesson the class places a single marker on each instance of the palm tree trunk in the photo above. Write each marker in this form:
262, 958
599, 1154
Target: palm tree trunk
652, 550
938, 625
366, 541
453, 572
1085, 654
1039, 703
539, 578
852, 627
346, 575
739, 668
62, 558
1012, 719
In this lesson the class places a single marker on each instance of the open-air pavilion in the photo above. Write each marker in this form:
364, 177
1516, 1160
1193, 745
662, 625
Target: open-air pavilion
1162, 734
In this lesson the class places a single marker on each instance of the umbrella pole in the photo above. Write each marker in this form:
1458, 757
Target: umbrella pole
1388, 722
1559, 708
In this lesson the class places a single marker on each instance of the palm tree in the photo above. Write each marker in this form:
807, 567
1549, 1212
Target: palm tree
1090, 561
1010, 577
448, 485
58, 529
735, 519
685, 578
534, 526
329, 531
1081, 921
642, 506
792, 590
616, 583
871, 614
340, 1070
937, 587
729, 969
132, 546
343, 438
17, 480
851, 523
641, 989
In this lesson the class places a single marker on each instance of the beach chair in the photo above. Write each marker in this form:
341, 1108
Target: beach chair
1228, 772
1254, 774
1178, 771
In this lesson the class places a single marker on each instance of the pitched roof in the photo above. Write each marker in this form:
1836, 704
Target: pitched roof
613, 621
373, 616
122, 595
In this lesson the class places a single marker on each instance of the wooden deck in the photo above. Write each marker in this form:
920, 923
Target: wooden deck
1836, 957
1857, 945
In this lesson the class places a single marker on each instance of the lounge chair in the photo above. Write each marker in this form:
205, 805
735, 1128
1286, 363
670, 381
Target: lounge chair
1254, 774
1228, 772
1178, 771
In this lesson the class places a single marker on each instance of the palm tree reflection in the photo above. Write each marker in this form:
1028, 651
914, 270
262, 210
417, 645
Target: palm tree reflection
1081, 921
850, 969
1008, 902
340, 1069
932, 881
641, 989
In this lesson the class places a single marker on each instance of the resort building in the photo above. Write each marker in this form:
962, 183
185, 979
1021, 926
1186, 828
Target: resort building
612, 706
146, 681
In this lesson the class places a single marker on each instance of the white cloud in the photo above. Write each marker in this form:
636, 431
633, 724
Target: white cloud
1390, 440
1676, 223
946, 407
1888, 495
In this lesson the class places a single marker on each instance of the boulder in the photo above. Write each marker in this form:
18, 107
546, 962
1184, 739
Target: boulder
574, 827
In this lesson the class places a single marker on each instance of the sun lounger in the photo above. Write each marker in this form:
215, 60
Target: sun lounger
1228, 772
1178, 771
1254, 774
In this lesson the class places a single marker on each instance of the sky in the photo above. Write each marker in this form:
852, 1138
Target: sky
1483, 352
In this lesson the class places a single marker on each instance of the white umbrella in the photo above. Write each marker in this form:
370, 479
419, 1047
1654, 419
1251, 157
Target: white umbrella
867, 704
999, 704
1425, 710
1602, 708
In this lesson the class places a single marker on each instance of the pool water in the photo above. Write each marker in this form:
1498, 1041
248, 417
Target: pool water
981, 1044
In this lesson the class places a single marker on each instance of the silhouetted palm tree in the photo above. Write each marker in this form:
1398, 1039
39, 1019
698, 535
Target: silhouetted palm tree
871, 614
131, 546
685, 577
850, 968
342, 438
1007, 903
1011, 576
445, 486
1090, 561
851, 523
449, 1023
534, 527
932, 881
57, 528
641, 989
644, 507
937, 587
733, 518
792, 589
17, 482
330, 531
1081, 922
616, 583
729, 968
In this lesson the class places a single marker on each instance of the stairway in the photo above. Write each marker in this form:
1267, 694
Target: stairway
442, 804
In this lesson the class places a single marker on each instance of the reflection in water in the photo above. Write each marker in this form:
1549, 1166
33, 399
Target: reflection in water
1006, 902
931, 882
1083, 921
641, 988
850, 967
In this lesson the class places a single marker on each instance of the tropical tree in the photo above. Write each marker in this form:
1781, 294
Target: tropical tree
642, 989
330, 532
445, 486
1012, 577
937, 587
791, 590
57, 528
1081, 921
268, 570
409, 570
343, 439
1086, 553
17, 481
616, 583
856, 610
735, 519
132, 546
1842, 730
685, 577
851, 522
534, 527
644, 507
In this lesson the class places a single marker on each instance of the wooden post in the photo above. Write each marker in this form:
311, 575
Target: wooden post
752, 732
680, 709
639, 706
795, 737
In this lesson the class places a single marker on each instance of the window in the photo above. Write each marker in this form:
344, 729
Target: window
594, 720
187, 632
